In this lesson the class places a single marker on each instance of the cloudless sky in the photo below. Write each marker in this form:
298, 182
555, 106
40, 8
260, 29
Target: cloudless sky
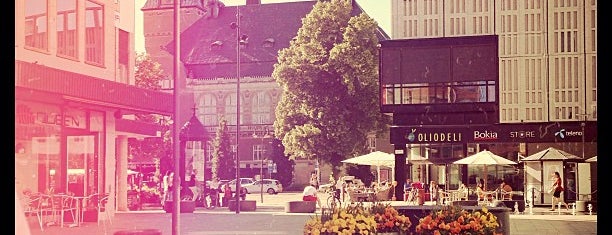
379, 10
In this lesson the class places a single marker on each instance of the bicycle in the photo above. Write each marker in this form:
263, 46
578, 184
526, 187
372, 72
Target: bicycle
333, 200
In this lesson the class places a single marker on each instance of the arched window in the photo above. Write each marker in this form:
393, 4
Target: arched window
230, 110
261, 108
208, 110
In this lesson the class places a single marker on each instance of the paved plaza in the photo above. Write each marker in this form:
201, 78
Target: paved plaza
270, 219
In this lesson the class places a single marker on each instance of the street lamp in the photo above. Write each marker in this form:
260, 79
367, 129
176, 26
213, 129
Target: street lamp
582, 124
261, 158
240, 40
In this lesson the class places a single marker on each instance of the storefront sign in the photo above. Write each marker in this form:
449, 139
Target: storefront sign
485, 135
522, 133
419, 135
30, 113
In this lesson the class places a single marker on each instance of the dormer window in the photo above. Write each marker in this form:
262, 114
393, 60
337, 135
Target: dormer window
269, 42
216, 44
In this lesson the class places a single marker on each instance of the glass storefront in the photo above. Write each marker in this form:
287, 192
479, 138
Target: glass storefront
57, 149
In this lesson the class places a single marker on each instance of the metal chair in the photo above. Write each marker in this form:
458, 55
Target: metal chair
62, 204
102, 202
32, 205
90, 203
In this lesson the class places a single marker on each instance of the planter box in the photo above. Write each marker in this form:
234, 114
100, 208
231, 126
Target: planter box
245, 205
186, 206
300, 207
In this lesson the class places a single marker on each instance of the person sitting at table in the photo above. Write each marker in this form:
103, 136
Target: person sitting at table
310, 194
407, 190
462, 192
480, 190
506, 190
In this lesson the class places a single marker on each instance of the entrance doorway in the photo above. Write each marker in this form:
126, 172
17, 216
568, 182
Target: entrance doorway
82, 164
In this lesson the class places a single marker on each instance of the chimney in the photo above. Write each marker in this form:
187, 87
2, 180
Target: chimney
253, 2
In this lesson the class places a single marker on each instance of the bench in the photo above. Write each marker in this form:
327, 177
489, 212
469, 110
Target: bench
186, 206
245, 205
300, 206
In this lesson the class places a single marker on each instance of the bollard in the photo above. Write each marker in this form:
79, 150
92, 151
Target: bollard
559, 210
139, 232
516, 209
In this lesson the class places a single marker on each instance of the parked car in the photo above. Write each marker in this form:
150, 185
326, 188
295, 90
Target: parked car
271, 186
243, 182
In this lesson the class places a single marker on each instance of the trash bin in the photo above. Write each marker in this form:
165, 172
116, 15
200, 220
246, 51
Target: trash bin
580, 205
139, 232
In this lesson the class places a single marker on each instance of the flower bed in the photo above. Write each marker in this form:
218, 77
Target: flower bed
383, 218
357, 219
455, 220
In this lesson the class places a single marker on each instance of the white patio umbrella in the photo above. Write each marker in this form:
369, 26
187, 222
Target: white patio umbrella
592, 159
376, 158
551, 154
485, 158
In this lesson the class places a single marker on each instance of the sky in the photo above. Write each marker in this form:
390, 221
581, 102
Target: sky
379, 10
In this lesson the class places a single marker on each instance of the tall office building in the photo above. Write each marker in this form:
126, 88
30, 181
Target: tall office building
545, 91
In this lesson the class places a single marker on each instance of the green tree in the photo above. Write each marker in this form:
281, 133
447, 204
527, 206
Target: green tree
148, 72
284, 165
147, 75
222, 163
329, 81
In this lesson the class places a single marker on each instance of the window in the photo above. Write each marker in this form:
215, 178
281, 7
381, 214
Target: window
209, 110
261, 108
230, 110
431, 93
36, 24
67, 28
94, 32
371, 143
258, 152
209, 151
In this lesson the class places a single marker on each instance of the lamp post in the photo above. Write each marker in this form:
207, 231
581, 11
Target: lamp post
240, 40
261, 158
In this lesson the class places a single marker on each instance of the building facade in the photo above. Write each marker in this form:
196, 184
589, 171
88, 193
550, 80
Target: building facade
74, 89
209, 60
547, 77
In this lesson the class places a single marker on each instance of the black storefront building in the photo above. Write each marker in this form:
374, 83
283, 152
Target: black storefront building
443, 94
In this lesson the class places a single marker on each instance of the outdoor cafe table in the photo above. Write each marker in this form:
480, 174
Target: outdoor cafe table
79, 209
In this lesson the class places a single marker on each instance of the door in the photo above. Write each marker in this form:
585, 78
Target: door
82, 164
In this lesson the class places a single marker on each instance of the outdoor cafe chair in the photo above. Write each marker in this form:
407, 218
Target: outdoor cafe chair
102, 203
60, 205
32, 205
90, 203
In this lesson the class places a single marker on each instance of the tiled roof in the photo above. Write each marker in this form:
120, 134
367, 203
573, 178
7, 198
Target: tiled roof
161, 4
273, 25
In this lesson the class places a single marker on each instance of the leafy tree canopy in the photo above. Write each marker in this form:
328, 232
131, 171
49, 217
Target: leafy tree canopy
329, 81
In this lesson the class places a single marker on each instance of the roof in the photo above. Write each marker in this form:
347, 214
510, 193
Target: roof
208, 46
89, 89
193, 130
163, 4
